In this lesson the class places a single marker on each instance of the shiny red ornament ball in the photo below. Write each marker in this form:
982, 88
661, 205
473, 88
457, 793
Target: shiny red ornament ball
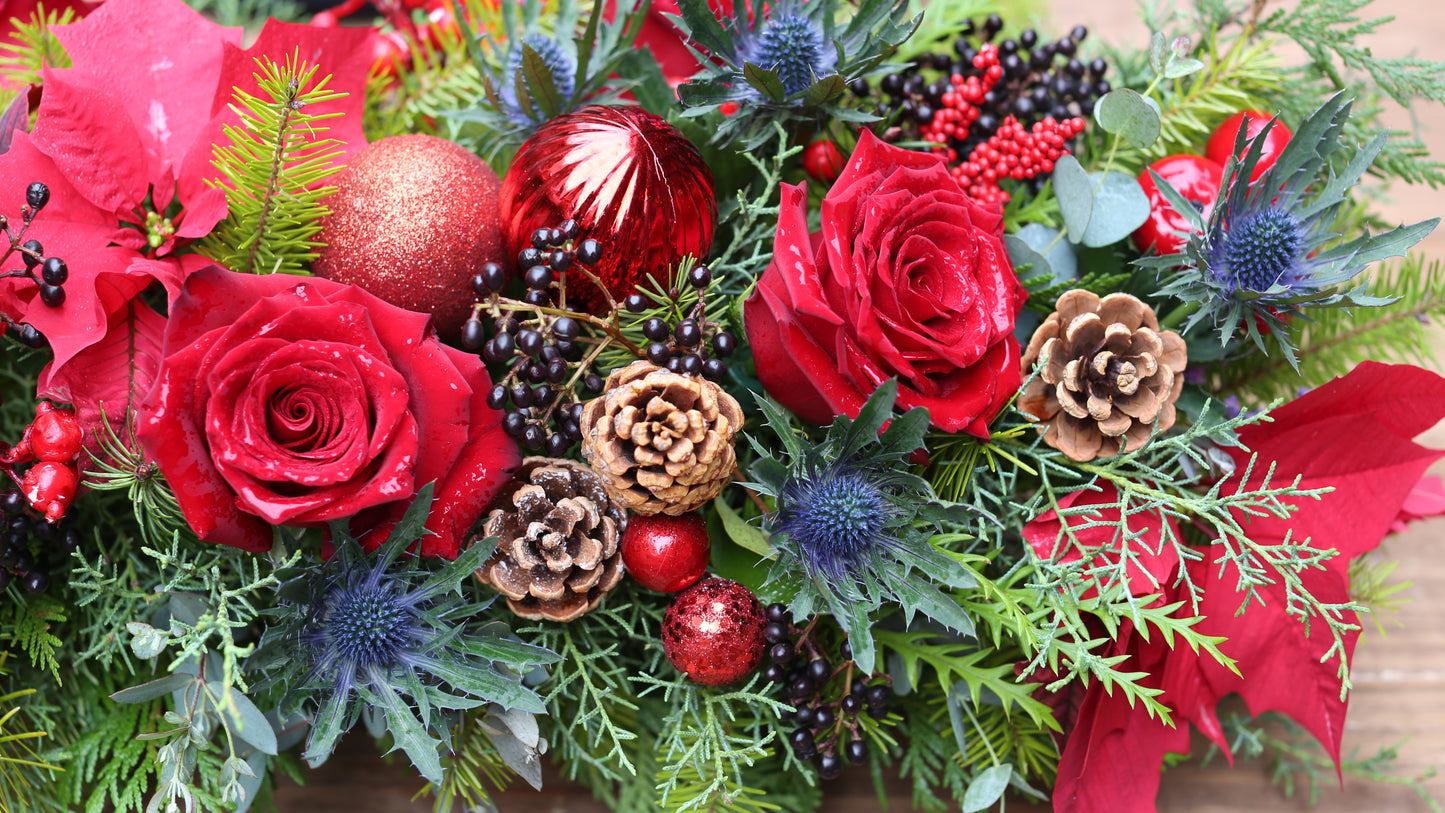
413, 218
631, 181
1197, 179
713, 631
666, 553
1221, 143
823, 161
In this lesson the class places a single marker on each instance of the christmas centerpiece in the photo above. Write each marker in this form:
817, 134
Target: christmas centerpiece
701, 397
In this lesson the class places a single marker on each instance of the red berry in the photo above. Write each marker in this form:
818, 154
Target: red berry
666, 553
55, 435
823, 161
49, 487
1194, 177
713, 631
1221, 143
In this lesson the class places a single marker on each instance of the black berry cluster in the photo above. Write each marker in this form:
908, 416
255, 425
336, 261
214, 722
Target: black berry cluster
1040, 79
692, 344
828, 701
29, 546
546, 356
48, 273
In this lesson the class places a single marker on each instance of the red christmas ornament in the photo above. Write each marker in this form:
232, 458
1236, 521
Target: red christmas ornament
629, 179
713, 631
1221, 143
823, 161
1197, 179
412, 219
666, 553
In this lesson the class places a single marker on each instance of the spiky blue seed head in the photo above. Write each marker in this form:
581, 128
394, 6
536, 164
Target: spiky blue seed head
555, 56
836, 520
793, 46
367, 627
1261, 247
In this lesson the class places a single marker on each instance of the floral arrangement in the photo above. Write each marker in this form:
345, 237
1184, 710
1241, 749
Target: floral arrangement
703, 398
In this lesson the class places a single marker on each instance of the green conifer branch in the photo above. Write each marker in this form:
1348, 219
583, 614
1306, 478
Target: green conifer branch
271, 172
33, 46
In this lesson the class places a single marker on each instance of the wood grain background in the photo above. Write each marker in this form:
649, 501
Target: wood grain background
1399, 694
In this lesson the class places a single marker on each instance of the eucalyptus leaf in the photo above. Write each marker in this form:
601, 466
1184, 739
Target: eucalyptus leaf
740, 532
1158, 52
1124, 113
986, 788
1120, 206
520, 758
146, 641
243, 718
1180, 67
160, 687
1054, 248
1076, 195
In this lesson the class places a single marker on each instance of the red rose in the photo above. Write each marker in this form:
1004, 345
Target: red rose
908, 278
290, 401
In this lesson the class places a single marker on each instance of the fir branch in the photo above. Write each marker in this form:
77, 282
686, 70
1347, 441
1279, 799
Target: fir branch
33, 46
273, 168
30, 629
1335, 341
249, 14
19, 761
441, 79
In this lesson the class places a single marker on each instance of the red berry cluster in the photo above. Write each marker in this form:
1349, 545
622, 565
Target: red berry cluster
52, 442
1014, 153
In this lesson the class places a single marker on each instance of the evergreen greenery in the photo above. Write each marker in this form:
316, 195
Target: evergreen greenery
31, 47
272, 171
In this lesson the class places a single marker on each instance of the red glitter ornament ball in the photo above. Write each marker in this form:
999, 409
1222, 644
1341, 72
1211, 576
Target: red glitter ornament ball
629, 179
713, 631
412, 219
666, 553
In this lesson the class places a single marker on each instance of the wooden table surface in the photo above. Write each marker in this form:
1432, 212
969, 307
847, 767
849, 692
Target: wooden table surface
1399, 694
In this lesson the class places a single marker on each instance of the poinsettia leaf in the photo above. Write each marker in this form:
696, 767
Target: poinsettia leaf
92, 140
111, 375
158, 61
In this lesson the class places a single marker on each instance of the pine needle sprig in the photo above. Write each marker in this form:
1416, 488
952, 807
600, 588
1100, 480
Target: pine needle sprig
19, 760
441, 79
272, 171
33, 46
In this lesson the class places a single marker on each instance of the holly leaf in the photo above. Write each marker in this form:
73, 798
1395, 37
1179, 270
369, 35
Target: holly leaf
158, 61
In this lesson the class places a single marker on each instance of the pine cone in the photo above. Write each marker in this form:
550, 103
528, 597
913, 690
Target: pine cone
1111, 375
662, 442
557, 540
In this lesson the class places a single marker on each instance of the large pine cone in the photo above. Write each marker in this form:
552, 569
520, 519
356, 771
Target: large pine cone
662, 442
1111, 375
557, 540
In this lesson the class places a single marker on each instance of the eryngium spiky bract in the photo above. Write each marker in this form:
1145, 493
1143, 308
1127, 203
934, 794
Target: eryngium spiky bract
787, 61
1265, 254
381, 630
853, 524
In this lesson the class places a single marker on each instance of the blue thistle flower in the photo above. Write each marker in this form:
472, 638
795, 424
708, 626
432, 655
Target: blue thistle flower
374, 630
1269, 249
792, 46
838, 520
853, 518
560, 60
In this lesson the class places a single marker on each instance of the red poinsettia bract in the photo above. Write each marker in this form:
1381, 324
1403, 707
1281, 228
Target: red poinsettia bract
1354, 435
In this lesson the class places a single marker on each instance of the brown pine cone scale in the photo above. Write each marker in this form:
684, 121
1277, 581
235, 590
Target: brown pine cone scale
662, 442
557, 532
1110, 378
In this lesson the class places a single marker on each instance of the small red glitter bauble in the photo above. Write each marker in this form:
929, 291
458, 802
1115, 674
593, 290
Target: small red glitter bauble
713, 631
413, 218
666, 553
630, 180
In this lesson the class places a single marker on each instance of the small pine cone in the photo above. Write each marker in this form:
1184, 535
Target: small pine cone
557, 540
1111, 375
662, 442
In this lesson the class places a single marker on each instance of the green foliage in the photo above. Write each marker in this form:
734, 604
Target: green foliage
122, 466
272, 170
382, 632
33, 46
19, 760
106, 766
1334, 341
471, 771
707, 741
955, 662
1294, 758
249, 14
441, 80
803, 79
30, 629
852, 524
